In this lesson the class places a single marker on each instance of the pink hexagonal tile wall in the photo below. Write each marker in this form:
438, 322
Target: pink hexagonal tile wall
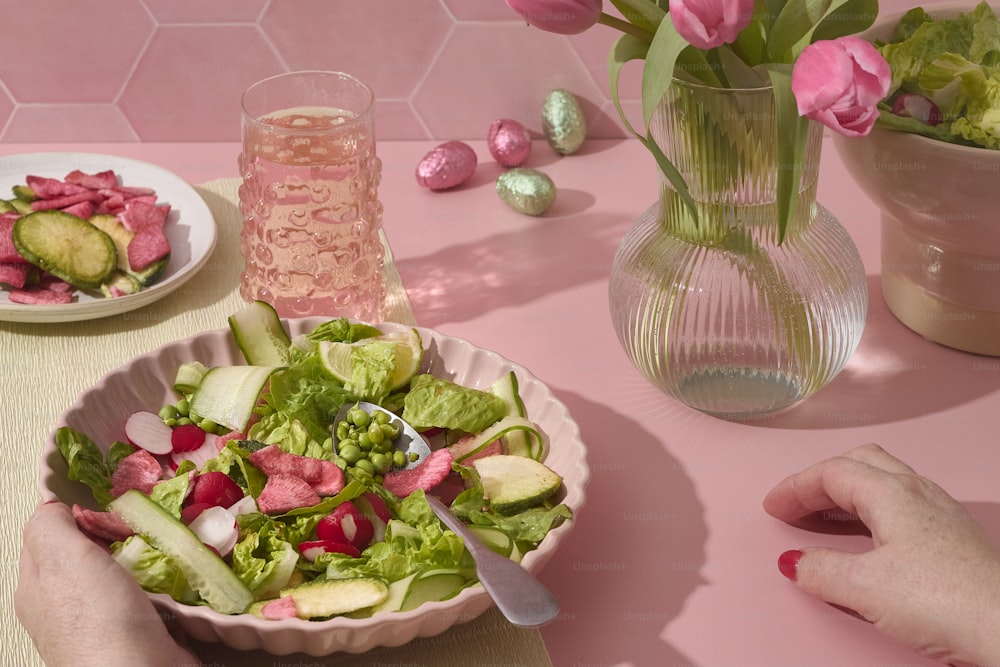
173, 70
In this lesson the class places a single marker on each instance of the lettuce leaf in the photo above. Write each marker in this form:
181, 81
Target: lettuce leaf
154, 570
435, 402
85, 462
262, 559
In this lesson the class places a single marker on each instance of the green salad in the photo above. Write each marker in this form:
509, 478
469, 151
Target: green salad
945, 77
265, 489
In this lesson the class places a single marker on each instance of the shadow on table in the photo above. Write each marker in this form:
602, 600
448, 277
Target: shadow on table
894, 375
616, 602
567, 248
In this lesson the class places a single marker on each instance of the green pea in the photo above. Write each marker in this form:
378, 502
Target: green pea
327, 444
352, 454
413, 456
170, 421
182, 407
365, 465
364, 442
193, 416
346, 442
340, 462
379, 479
207, 425
380, 462
359, 417
183, 421
342, 431
375, 433
384, 447
389, 431
399, 458
381, 418
168, 412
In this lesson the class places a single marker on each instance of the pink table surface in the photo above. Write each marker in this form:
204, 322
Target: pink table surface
672, 561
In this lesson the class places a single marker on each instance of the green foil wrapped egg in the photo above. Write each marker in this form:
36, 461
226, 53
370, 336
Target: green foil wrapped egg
527, 191
563, 122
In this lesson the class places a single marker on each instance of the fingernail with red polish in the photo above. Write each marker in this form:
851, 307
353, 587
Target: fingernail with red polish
788, 563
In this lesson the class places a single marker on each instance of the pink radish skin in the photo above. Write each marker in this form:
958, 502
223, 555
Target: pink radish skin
187, 438
216, 527
199, 456
145, 429
346, 525
912, 105
373, 507
215, 488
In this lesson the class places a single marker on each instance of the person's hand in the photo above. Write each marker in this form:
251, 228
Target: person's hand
80, 607
932, 580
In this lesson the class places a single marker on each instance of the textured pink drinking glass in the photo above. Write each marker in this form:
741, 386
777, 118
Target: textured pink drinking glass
311, 239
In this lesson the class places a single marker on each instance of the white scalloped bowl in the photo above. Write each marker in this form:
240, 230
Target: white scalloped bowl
145, 383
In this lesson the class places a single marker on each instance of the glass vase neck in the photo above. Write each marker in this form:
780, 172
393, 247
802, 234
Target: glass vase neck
723, 142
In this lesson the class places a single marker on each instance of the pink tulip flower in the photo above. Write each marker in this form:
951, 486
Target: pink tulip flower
566, 17
707, 24
839, 83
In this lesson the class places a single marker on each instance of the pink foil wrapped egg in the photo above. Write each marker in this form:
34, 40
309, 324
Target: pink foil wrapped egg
509, 142
447, 166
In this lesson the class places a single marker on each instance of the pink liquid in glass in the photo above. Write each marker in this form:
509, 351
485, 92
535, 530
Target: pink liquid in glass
312, 218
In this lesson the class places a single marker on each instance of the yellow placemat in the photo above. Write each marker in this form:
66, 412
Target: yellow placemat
44, 367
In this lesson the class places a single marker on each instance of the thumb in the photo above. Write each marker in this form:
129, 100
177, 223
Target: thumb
824, 573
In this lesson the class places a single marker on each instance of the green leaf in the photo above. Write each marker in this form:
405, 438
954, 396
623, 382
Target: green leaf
693, 66
738, 73
849, 18
794, 22
792, 131
674, 176
752, 41
642, 14
624, 50
658, 72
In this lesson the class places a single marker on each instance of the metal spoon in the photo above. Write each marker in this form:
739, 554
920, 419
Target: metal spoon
519, 596
409, 440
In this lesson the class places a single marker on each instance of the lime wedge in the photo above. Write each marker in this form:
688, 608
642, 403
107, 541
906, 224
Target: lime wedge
407, 352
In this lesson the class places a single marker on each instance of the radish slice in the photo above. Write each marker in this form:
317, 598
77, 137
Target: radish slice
216, 528
245, 505
346, 525
199, 456
215, 488
187, 438
145, 429
372, 506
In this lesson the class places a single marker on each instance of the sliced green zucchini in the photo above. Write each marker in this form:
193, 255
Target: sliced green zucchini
66, 246
24, 193
513, 483
330, 597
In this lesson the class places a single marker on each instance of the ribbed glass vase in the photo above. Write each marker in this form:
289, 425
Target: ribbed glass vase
718, 313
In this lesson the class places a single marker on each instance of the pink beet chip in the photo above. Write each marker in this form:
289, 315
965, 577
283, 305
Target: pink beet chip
275, 610
52, 188
14, 273
272, 460
40, 297
84, 209
104, 525
331, 479
147, 246
139, 470
140, 214
8, 253
431, 472
283, 493
100, 180
64, 201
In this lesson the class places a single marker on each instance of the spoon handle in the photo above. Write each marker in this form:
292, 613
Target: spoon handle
519, 596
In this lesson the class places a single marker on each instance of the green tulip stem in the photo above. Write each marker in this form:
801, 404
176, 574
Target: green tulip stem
625, 27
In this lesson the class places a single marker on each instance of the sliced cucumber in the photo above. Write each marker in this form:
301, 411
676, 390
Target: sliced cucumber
494, 538
208, 574
330, 597
435, 585
502, 428
514, 483
260, 336
228, 394
189, 376
522, 442
66, 246
120, 283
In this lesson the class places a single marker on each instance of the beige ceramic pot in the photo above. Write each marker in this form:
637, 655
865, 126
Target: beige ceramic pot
940, 226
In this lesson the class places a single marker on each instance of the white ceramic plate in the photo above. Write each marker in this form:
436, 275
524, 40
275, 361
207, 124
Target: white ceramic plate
145, 383
190, 229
